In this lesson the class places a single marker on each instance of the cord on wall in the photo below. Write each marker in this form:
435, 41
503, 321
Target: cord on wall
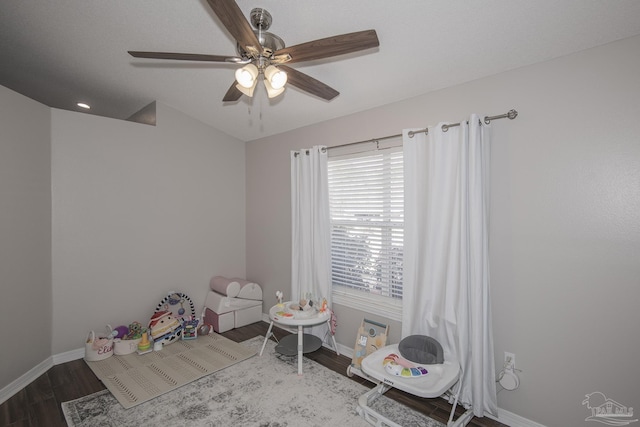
507, 377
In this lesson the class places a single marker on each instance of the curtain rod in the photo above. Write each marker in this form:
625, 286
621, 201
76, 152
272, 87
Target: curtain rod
511, 114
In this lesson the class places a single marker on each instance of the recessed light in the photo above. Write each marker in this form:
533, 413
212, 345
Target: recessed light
83, 105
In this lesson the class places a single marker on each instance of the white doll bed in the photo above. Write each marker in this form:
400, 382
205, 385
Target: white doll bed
439, 380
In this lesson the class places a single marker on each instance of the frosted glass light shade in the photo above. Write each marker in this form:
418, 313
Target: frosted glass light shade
276, 77
271, 91
247, 90
247, 75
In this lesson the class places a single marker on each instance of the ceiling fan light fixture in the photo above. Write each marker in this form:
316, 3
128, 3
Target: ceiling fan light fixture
247, 90
261, 52
247, 76
276, 77
272, 92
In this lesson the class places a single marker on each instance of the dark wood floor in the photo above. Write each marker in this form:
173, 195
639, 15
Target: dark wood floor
38, 404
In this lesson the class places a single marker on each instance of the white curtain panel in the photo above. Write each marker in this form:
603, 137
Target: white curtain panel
446, 256
310, 232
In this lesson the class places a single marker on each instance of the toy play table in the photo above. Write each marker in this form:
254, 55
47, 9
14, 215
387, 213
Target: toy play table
282, 315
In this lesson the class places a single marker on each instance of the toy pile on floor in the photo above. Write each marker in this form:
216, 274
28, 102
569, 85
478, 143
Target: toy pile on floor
170, 322
230, 303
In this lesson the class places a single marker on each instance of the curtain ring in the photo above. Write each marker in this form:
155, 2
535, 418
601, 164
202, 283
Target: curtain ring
411, 133
445, 128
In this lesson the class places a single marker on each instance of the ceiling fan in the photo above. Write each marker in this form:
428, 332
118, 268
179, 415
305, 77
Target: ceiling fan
264, 53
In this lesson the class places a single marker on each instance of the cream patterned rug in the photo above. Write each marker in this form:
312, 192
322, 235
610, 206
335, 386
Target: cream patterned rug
262, 391
134, 379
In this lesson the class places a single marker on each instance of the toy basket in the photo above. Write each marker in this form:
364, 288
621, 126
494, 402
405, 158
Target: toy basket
122, 347
98, 348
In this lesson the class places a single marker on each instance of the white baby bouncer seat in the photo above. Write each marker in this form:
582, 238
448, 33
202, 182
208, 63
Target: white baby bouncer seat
417, 366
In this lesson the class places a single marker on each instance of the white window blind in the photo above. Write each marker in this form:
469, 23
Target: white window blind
366, 198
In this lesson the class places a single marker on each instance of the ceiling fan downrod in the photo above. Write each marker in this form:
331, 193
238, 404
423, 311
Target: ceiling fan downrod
261, 20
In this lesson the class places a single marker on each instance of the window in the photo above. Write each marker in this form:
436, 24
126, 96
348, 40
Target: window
366, 199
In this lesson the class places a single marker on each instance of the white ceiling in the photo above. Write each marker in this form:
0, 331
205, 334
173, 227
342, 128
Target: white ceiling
60, 52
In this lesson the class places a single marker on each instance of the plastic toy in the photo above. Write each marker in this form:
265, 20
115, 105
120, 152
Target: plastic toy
176, 299
144, 346
396, 365
205, 329
371, 336
135, 331
190, 329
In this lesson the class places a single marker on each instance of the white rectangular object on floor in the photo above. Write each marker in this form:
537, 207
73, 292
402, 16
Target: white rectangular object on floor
248, 316
221, 322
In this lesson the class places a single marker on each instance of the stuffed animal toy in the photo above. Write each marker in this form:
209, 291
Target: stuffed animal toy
162, 323
135, 331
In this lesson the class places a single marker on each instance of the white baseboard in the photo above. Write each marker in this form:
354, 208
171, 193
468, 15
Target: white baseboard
514, 420
24, 380
68, 356
345, 351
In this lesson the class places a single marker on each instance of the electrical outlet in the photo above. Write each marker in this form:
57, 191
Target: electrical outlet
509, 361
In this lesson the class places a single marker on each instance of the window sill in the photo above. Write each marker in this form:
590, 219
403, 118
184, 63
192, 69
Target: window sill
391, 308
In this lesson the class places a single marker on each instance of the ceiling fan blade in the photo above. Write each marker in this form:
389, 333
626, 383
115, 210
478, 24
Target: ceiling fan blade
331, 46
309, 84
187, 56
233, 94
235, 22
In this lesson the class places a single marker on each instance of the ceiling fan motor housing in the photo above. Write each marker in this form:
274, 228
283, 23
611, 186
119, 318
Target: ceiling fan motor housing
261, 20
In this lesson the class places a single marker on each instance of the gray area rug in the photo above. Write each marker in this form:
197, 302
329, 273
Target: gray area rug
262, 391
134, 379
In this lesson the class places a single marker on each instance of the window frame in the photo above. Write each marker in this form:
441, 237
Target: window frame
369, 302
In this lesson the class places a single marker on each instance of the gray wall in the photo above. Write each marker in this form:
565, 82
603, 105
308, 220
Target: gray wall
565, 221
25, 234
101, 218
139, 211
